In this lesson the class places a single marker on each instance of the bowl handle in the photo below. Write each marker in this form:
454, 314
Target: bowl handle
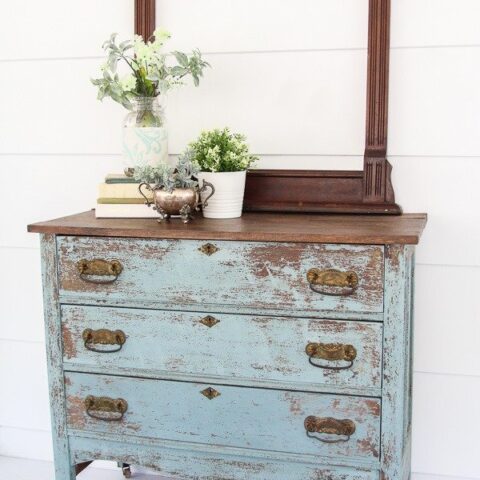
147, 201
204, 187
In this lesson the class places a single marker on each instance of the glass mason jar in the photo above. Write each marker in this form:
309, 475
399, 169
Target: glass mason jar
145, 138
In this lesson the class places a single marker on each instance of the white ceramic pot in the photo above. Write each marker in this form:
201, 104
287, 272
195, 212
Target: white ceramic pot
227, 201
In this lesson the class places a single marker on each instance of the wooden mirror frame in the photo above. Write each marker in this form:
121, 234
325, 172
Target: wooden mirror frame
368, 191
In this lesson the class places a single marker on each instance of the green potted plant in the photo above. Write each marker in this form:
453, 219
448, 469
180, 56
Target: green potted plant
149, 73
223, 158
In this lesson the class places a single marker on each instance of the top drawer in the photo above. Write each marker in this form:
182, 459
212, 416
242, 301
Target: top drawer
303, 279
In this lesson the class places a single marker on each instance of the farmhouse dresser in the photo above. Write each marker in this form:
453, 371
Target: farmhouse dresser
270, 347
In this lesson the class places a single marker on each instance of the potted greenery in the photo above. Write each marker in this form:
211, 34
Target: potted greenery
149, 73
175, 189
223, 158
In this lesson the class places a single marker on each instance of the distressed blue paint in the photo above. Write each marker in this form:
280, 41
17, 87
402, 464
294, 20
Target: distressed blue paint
250, 347
396, 416
254, 430
258, 419
196, 464
266, 277
53, 340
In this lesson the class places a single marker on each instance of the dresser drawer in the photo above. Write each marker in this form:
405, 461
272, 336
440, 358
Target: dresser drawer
199, 462
301, 279
303, 353
253, 418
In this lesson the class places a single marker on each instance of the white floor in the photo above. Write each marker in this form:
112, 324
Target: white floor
22, 469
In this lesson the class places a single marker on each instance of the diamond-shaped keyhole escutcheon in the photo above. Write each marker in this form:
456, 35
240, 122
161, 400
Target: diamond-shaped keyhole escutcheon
209, 321
208, 249
210, 393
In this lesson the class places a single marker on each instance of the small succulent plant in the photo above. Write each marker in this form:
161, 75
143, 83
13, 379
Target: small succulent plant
163, 176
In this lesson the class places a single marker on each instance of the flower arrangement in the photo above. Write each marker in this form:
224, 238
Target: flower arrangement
150, 72
167, 177
220, 151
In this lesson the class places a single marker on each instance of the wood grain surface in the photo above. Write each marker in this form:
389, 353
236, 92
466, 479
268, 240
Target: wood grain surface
266, 227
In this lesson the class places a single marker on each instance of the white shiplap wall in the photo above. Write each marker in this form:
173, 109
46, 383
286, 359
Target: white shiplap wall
291, 75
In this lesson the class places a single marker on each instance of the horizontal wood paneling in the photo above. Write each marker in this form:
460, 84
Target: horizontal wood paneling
254, 94
55, 28
434, 102
26, 443
67, 118
435, 22
446, 188
287, 103
445, 421
21, 295
232, 26
63, 184
447, 327
250, 25
24, 403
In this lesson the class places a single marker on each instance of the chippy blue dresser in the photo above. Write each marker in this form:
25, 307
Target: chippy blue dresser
270, 347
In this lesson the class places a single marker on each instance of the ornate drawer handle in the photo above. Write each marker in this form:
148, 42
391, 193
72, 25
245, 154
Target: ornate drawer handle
105, 408
103, 337
345, 283
332, 352
99, 268
329, 426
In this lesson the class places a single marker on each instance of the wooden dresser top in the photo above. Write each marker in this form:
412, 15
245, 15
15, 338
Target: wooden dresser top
263, 227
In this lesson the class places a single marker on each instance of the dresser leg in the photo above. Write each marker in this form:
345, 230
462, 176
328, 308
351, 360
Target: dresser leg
64, 472
127, 473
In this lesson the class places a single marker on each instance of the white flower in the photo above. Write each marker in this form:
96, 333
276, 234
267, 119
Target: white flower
144, 52
128, 83
161, 36
137, 39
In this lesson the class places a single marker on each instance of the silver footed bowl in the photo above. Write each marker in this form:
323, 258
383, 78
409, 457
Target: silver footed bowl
179, 201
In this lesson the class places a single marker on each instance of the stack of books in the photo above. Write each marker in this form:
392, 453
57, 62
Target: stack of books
119, 197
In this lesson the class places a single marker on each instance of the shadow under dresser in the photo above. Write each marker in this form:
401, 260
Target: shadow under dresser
268, 347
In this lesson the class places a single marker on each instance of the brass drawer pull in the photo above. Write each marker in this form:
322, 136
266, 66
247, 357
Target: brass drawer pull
103, 337
90, 269
334, 282
105, 408
329, 426
331, 352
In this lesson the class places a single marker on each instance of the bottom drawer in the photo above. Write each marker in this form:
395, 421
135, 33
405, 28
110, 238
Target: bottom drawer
199, 464
260, 419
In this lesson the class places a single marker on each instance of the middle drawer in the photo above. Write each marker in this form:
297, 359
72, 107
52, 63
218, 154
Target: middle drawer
307, 353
